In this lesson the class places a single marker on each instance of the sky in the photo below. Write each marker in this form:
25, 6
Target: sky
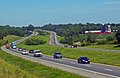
41, 12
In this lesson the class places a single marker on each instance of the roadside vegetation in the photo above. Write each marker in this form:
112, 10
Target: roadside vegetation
34, 41
18, 31
15, 67
75, 53
9, 38
11, 71
107, 46
29, 69
75, 33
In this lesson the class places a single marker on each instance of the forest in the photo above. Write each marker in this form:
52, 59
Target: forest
72, 33
18, 31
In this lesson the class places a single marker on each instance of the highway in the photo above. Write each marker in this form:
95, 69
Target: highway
106, 70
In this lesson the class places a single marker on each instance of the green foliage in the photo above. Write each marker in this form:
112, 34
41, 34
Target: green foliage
30, 27
18, 31
34, 41
7, 39
118, 37
84, 44
91, 38
72, 32
41, 32
101, 42
11, 71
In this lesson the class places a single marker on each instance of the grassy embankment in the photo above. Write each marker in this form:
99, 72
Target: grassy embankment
15, 67
10, 38
111, 47
106, 46
74, 53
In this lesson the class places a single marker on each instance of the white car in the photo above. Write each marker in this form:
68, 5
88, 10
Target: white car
37, 53
24, 52
14, 47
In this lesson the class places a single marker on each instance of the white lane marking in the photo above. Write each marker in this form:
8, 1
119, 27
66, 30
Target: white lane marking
72, 62
88, 65
108, 70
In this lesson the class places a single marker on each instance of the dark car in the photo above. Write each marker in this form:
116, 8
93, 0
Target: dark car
57, 55
31, 51
20, 49
83, 60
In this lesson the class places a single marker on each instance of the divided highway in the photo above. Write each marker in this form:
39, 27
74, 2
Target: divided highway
106, 69
89, 70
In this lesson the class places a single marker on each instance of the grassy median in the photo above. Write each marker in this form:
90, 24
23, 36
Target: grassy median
107, 46
75, 53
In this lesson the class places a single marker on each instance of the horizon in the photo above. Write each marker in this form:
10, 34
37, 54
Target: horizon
39, 13
55, 24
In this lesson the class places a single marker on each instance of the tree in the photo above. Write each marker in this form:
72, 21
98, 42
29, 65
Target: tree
1, 36
30, 27
118, 37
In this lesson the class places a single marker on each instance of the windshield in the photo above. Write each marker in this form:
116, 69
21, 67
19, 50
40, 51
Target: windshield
84, 58
58, 53
37, 51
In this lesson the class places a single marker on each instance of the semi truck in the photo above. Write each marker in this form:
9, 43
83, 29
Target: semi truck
7, 46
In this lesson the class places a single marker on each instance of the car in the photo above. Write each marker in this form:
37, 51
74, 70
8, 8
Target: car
20, 49
37, 53
14, 47
83, 60
57, 55
24, 52
31, 51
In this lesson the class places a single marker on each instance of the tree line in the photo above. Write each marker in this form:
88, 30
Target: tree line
18, 31
74, 32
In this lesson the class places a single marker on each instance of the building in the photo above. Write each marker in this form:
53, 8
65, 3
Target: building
102, 31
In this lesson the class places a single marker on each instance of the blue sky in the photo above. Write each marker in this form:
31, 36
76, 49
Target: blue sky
40, 12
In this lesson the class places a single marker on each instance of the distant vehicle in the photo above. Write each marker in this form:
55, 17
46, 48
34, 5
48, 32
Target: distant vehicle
57, 55
13, 47
31, 51
24, 52
37, 53
7, 46
20, 49
83, 60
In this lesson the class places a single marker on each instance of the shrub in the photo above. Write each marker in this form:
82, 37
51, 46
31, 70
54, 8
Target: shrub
101, 42
85, 44
34, 41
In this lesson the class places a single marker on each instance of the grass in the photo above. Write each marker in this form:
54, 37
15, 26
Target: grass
10, 38
59, 38
74, 53
11, 71
15, 67
112, 47
35, 69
